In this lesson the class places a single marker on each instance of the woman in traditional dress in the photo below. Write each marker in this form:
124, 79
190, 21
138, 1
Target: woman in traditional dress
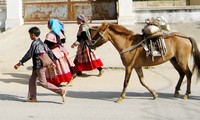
55, 39
86, 59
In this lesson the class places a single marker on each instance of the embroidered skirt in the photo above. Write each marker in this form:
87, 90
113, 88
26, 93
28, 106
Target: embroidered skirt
86, 59
61, 73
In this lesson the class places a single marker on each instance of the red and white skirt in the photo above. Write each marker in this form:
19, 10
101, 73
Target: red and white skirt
61, 73
86, 59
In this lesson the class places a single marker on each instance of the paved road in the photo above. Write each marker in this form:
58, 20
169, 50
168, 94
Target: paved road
92, 97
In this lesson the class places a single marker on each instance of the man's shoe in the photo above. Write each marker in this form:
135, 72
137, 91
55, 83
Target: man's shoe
31, 100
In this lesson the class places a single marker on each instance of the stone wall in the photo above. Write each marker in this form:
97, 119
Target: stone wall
159, 3
51, 0
194, 2
142, 10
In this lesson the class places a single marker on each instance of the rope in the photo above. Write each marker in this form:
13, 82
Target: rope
133, 46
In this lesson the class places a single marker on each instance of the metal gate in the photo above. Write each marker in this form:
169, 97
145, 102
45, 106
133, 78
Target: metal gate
67, 11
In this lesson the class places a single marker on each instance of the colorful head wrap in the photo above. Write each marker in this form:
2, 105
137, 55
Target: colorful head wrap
56, 26
82, 17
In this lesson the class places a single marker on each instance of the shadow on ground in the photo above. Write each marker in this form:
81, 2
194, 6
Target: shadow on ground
112, 96
18, 78
99, 95
7, 97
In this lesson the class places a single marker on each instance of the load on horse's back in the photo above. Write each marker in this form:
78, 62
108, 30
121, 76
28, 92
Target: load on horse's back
129, 45
154, 32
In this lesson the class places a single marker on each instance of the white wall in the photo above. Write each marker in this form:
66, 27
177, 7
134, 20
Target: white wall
125, 14
14, 14
173, 14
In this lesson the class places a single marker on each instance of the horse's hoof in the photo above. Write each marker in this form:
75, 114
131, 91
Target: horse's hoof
176, 94
155, 96
119, 100
185, 97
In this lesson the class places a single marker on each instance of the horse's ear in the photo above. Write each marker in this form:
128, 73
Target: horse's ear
105, 24
93, 30
94, 27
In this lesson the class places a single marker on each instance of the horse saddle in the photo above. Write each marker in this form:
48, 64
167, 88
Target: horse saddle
155, 45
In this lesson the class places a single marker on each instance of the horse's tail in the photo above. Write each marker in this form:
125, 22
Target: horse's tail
196, 55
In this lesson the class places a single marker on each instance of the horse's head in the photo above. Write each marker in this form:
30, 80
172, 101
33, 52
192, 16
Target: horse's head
98, 35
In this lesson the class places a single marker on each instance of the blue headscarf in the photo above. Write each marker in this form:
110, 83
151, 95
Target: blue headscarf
56, 26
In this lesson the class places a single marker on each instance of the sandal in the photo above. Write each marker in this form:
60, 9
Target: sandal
63, 94
73, 75
69, 84
79, 73
100, 73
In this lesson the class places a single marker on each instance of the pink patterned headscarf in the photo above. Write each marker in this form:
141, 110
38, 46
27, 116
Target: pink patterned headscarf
83, 26
82, 17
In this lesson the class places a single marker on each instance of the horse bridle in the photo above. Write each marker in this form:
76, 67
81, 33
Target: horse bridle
101, 36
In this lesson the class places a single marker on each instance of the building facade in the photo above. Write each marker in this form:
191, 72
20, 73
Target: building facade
124, 11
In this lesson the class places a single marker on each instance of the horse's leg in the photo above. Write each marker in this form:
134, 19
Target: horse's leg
184, 65
126, 81
141, 78
189, 77
181, 74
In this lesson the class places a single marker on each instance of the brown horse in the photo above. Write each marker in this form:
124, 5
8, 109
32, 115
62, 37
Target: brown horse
133, 56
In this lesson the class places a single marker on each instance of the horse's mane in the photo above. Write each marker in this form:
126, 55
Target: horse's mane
120, 29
